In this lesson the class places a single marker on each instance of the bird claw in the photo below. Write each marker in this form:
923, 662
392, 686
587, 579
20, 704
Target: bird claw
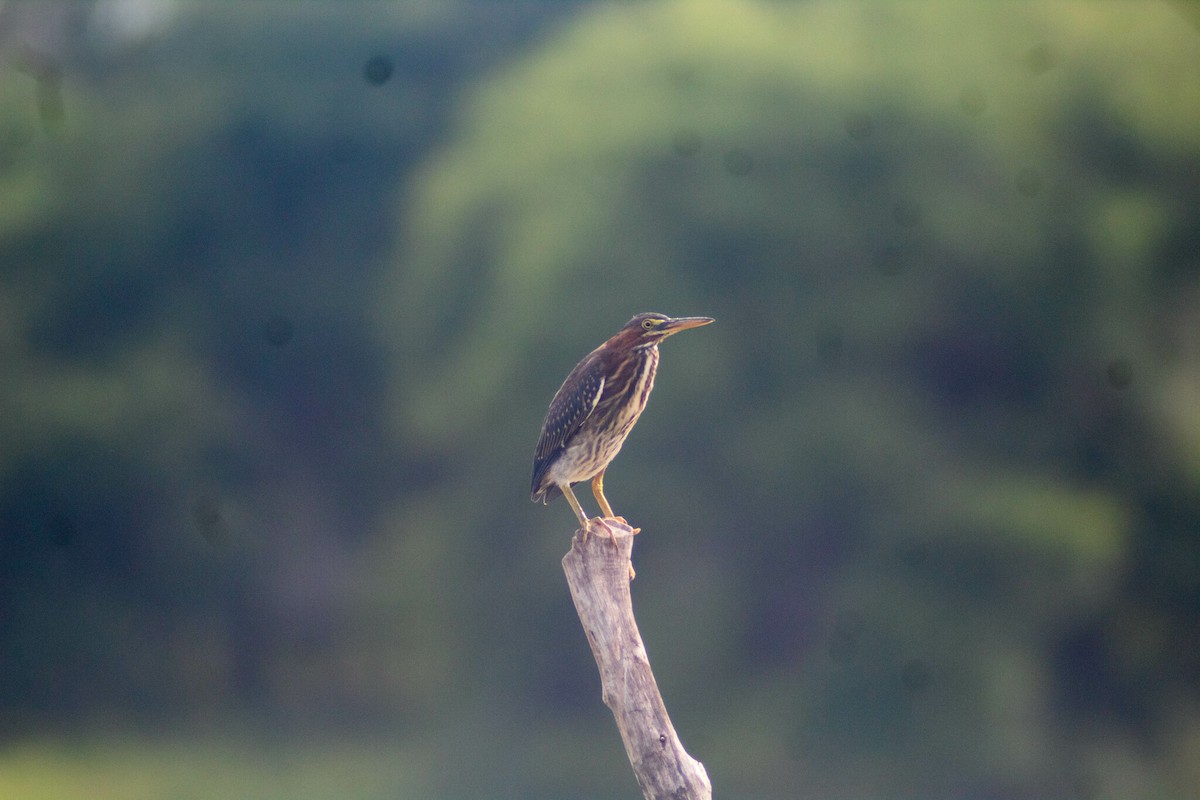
633, 531
612, 535
587, 527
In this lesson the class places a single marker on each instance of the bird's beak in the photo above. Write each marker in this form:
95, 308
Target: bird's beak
683, 323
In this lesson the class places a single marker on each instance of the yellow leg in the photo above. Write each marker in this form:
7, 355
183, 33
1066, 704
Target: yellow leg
598, 491
606, 509
578, 509
584, 522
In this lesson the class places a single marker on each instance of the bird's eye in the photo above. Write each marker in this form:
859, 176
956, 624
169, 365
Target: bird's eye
648, 324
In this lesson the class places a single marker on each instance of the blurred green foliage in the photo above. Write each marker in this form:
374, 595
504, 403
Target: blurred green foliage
285, 294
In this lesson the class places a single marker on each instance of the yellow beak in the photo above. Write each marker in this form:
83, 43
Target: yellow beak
678, 324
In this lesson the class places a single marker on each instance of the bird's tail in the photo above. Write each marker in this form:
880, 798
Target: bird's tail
545, 494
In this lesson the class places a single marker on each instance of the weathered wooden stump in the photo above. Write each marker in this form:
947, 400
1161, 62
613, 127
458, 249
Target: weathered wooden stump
598, 573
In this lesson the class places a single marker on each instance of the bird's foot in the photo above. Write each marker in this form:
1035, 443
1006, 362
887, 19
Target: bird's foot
612, 535
586, 529
625, 522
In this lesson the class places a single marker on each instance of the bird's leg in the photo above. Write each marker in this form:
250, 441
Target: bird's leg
578, 509
605, 508
584, 522
598, 493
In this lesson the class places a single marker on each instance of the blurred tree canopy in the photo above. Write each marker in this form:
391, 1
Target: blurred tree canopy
950, 419
286, 295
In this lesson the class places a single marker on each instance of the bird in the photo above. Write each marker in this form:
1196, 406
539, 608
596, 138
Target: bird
594, 410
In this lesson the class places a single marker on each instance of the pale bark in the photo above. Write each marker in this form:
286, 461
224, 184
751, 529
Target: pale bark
598, 573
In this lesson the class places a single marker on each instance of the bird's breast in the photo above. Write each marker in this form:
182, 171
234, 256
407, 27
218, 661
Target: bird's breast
625, 394
599, 439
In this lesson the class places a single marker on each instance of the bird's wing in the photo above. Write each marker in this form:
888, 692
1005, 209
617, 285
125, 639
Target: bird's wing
575, 401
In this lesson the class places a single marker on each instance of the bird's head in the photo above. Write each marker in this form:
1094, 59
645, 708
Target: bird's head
651, 328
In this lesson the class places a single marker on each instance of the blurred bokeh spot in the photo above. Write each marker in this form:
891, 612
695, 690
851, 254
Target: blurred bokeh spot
378, 70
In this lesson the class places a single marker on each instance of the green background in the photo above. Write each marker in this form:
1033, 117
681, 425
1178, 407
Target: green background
285, 289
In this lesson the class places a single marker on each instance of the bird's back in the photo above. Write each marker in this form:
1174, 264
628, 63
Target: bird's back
572, 404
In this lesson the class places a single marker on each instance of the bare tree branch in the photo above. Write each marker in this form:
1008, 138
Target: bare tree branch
598, 572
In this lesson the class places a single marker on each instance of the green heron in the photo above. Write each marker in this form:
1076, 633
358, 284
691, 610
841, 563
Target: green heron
596, 407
